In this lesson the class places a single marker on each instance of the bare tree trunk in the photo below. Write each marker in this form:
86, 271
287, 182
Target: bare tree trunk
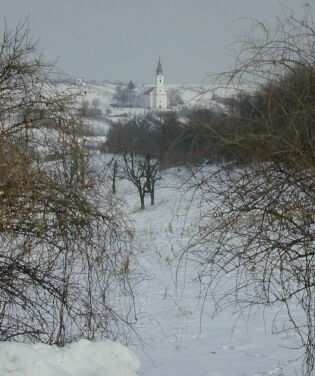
142, 201
114, 178
152, 195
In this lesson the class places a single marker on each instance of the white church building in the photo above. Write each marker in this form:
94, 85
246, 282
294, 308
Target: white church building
155, 97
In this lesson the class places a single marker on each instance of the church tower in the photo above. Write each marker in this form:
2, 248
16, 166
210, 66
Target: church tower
159, 77
160, 95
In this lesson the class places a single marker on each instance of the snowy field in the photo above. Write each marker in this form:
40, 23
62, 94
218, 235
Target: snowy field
177, 333
175, 338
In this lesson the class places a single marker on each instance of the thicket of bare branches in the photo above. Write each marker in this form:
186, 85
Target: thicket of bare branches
64, 259
260, 226
167, 138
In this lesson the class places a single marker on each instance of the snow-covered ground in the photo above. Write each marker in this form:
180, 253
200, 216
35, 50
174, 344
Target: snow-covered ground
177, 333
83, 358
98, 127
199, 96
175, 339
102, 92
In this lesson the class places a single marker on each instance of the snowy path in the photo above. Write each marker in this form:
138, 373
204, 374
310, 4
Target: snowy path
173, 343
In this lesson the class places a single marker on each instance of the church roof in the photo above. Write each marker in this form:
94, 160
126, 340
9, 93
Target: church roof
159, 69
148, 91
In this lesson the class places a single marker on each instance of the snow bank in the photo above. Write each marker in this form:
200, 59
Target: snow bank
83, 358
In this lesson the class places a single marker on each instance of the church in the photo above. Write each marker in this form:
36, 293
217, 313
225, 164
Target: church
155, 97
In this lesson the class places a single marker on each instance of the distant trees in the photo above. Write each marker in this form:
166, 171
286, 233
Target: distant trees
174, 98
61, 255
84, 108
125, 96
153, 142
169, 139
91, 110
96, 104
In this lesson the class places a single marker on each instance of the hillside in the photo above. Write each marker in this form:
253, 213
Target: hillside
97, 98
193, 95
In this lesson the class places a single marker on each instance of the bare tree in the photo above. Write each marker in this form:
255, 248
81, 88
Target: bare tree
114, 168
135, 171
260, 224
96, 103
114, 176
143, 173
85, 108
62, 256
152, 169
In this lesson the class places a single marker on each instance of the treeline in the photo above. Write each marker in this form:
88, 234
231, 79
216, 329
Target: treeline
169, 137
274, 121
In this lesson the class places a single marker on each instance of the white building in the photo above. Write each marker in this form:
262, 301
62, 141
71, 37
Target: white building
155, 97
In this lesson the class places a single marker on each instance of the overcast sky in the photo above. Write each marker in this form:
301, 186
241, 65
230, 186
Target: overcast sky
122, 39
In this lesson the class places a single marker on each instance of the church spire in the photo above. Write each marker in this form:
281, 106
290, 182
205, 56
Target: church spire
159, 69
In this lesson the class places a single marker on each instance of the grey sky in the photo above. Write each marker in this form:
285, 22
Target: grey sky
122, 39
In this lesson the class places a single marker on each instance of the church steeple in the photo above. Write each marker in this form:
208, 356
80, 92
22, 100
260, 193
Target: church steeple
159, 94
159, 69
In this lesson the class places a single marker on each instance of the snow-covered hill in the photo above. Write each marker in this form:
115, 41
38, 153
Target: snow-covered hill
98, 99
192, 95
90, 91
